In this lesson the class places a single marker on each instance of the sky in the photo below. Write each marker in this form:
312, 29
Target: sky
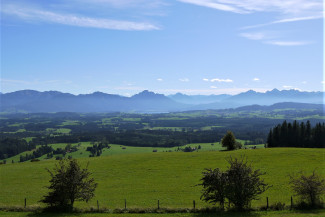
166, 46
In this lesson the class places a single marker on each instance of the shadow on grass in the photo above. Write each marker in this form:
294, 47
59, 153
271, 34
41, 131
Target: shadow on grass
228, 214
53, 214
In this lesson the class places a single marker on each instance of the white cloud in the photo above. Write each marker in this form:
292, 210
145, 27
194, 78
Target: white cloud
213, 87
254, 35
288, 43
295, 19
287, 87
184, 79
215, 5
256, 79
218, 80
159, 79
124, 3
273, 38
323, 82
287, 20
287, 7
304, 82
221, 80
37, 15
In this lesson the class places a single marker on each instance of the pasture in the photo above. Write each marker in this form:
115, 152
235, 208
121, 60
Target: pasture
171, 177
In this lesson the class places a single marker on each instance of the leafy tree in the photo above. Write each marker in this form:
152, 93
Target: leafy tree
244, 183
308, 188
214, 186
69, 183
229, 141
239, 185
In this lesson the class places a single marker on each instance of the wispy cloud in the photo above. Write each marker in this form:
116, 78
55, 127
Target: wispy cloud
184, 79
39, 15
205, 79
213, 87
253, 35
256, 79
215, 5
287, 20
292, 7
159, 79
288, 43
273, 38
124, 3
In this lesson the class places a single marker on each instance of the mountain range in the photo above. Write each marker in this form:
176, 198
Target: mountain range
145, 101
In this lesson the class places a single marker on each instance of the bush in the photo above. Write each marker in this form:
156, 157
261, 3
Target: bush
308, 188
239, 185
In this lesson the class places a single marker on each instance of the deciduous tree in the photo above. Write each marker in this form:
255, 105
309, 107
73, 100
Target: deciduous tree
238, 186
69, 183
308, 188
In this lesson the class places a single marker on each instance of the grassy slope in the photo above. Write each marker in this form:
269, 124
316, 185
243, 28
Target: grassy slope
144, 178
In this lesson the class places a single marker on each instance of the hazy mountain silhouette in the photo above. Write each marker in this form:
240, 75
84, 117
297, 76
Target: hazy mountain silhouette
146, 101
198, 99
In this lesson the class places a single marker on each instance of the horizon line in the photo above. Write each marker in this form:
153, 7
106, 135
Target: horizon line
274, 89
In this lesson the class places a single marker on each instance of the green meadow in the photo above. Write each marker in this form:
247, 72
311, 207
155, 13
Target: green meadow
170, 177
121, 149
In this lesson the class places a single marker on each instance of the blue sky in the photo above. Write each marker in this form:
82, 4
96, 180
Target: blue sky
166, 46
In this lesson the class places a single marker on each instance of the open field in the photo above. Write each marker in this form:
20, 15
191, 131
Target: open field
316, 213
122, 149
171, 177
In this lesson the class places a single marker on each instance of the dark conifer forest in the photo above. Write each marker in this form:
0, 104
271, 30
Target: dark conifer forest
297, 134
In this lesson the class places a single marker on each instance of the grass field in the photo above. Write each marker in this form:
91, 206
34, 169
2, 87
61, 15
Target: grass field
317, 213
121, 149
171, 177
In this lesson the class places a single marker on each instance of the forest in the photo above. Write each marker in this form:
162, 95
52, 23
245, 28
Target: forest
297, 135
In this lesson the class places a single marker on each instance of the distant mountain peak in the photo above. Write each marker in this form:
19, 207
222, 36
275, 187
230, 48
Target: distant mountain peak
147, 94
274, 90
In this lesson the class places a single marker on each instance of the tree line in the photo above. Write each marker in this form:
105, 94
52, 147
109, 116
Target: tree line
297, 134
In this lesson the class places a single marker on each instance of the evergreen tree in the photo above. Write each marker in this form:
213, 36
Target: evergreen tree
297, 135
270, 139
